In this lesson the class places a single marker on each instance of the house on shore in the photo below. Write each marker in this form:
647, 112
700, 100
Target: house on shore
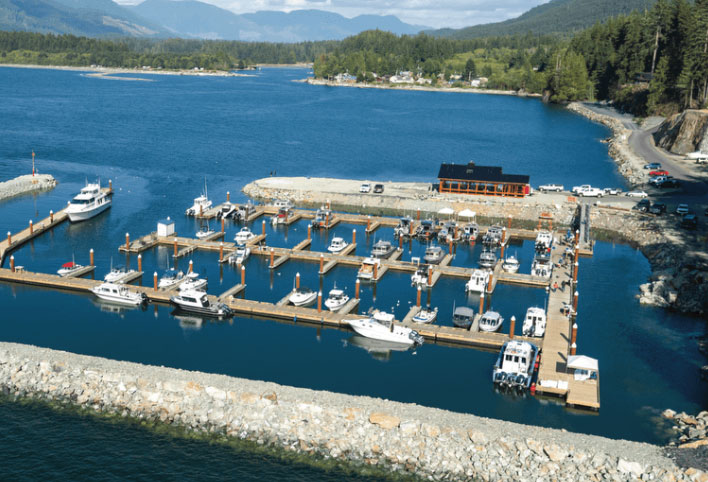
482, 180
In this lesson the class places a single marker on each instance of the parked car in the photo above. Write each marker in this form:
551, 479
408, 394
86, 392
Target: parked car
611, 191
669, 182
658, 208
366, 187
378, 188
657, 180
652, 165
641, 194
642, 205
682, 209
659, 172
689, 221
551, 187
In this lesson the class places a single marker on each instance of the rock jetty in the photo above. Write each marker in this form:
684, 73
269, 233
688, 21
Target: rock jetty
407, 438
25, 185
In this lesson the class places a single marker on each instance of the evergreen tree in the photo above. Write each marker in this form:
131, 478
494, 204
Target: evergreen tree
470, 70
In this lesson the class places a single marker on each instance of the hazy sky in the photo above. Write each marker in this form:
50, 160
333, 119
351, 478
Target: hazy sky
433, 13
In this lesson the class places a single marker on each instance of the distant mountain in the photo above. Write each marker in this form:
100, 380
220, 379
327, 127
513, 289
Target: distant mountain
93, 18
554, 17
198, 19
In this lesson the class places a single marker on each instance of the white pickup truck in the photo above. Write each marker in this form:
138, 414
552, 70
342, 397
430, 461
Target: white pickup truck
577, 189
550, 187
589, 191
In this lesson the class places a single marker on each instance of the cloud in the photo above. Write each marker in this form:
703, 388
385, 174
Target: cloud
433, 13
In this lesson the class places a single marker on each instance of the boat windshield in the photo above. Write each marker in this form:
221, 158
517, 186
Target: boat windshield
80, 201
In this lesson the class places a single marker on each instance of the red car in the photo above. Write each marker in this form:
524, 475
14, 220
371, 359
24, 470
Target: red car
659, 173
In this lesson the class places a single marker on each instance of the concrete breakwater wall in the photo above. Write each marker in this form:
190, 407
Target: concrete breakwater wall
432, 443
26, 184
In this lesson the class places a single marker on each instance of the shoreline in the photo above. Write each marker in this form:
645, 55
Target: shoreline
26, 184
105, 71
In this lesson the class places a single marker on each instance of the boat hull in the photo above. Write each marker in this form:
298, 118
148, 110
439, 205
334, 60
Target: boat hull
200, 310
78, 216
370, 330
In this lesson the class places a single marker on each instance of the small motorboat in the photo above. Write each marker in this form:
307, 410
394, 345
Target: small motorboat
462, 317
69, 268
478, 281
91, 201
544, 240
426, 229
201, 204
336, 299
426, 315
322, 217
303, 297
118, 274
282, 216
382, 249
198, 302
242, 253
381, 326
404, 227
193, 282
493, 236
244, 236
420, 277
170, 278
535, 322
449, 232
470, 232
491, 321
337, 245
433, 254
511, 264
116, 293
244, 211
227, 210
487, 259
541, 267
205, 232
368, 266
283, 204
515, 365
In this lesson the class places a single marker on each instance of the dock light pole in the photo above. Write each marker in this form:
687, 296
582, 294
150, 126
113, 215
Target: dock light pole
51, 216
356, 290
140, 263
481, 303
31, 227
512, 326
91, 256
12, 263
417, 297
127, 241
243, 275
154, 280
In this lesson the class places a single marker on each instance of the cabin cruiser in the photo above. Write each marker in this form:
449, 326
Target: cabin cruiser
193, 283
242, 253
433, 254
322, 217
449, 232
170, 278
382, 249
426, 229
404, 227
487, 259
381, 326
303, 297
227, 210
201, 204
90, 201
283, 204
535, 322
336, 299
337, 245
118, 274
541, 267
515, 365
198, 302
116, 293
511, 264
420, 277
490, 321
244, 236
69, 268
366, 272
478, 281
205, 232
244, 211
426, 316
544, 240
470, 231
493, 236
463, 316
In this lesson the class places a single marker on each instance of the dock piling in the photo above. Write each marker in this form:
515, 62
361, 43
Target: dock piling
353, 236
91, 257
297, 281
327, 221
573, 336
430, 276
309, 232
376, 272
400, 242
577, 236
263, 227
417, 297
51, 216
357, 286
221, 248
222, 225
110, 185
31, 227
417, 215
490, 282
12, 263
9, 238
481, 303
191, 266
512, 325
140, 262
449, 246
272, 257
573, 348
321, 263
319, 300
509, 222
154, 280
127, 241
575, 272
228, 196
575, 302
175, 247
243, 275
368, 223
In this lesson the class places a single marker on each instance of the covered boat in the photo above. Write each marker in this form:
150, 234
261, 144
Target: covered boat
511, 264
90, 202
487, 259
534, 322
490, 321
478, 281
433, 254
303, 297
337, 245
463, 316
244, 236
198, 302
116, 293
368, 266
382, 249
69, 268
515, 365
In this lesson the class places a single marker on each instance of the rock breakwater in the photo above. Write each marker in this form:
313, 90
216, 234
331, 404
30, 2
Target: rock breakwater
25, 185
432, 443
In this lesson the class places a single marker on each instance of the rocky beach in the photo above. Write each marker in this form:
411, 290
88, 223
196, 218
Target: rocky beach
26, 184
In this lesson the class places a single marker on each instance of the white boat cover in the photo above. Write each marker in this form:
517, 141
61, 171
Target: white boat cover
467, 213
446, 211
582, 362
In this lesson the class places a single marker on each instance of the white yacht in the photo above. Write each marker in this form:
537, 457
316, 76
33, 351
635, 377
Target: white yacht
535, 322
478, 281
515, 365
433, 254
69, 268
119, 294
336, 299
337, 245
242, 253
88, 203
382, 249
201, 204
487, 259
426, 316
511, 264
491, 321
381, 326
194, 283
244, 236
541, 267
198, 302
303, 297
544, 240
170, 278
366, 272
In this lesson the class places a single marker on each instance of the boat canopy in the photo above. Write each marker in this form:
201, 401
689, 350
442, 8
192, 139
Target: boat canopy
70, 264
446, 210
467, 213
464, 311
582, 362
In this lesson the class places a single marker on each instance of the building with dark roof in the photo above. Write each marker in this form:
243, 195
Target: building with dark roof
484, 180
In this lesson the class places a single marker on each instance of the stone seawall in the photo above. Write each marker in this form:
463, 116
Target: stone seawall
25, 185
432, 443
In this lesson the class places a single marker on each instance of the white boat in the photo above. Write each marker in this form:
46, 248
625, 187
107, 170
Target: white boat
470, 231
487, 259
242, 253
404, 227
283, 204
227, 210
463, 316
244, 236
88, 203
535, 322
491, 321
382, 327
303, 297
337, 245
420, 277
170, 278
205, 232
201, 204
426, 315
382, 249
541, 267
69, 268
493, 236
478, 281
244, 211
322, 216
116, 293
515, 365
544, 240
198, 302
336, 299
366, 272
193, 283
118, 274
433, 254
511, 264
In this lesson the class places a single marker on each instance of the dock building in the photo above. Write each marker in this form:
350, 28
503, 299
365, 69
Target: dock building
485, 180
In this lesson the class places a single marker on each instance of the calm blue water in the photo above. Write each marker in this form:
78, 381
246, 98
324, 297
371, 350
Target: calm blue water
158, 140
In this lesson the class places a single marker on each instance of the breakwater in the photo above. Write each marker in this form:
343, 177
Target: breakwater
25, 185
433, 443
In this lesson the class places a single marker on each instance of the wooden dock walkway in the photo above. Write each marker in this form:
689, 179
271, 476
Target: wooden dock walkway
81, 272
19, 239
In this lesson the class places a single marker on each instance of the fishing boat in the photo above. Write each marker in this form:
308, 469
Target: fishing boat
198, 302
433, 254
337, 245
170, 278
381, 326
205, 231
281, 217
470, 231
116, 293
541, 267
244, 211
487, 259
227, 211
515, 365
493, 236
201, 204
322, 217
463, 316
242, 253
544, 240
382, 249
193, 283
426, 229
511, 264
90, 202
404, 227
244, 236
426, 315
478, 281
449, 232
490, 321
336, 299
420, 277
534, 322
303, 297
368, 266
69, 268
